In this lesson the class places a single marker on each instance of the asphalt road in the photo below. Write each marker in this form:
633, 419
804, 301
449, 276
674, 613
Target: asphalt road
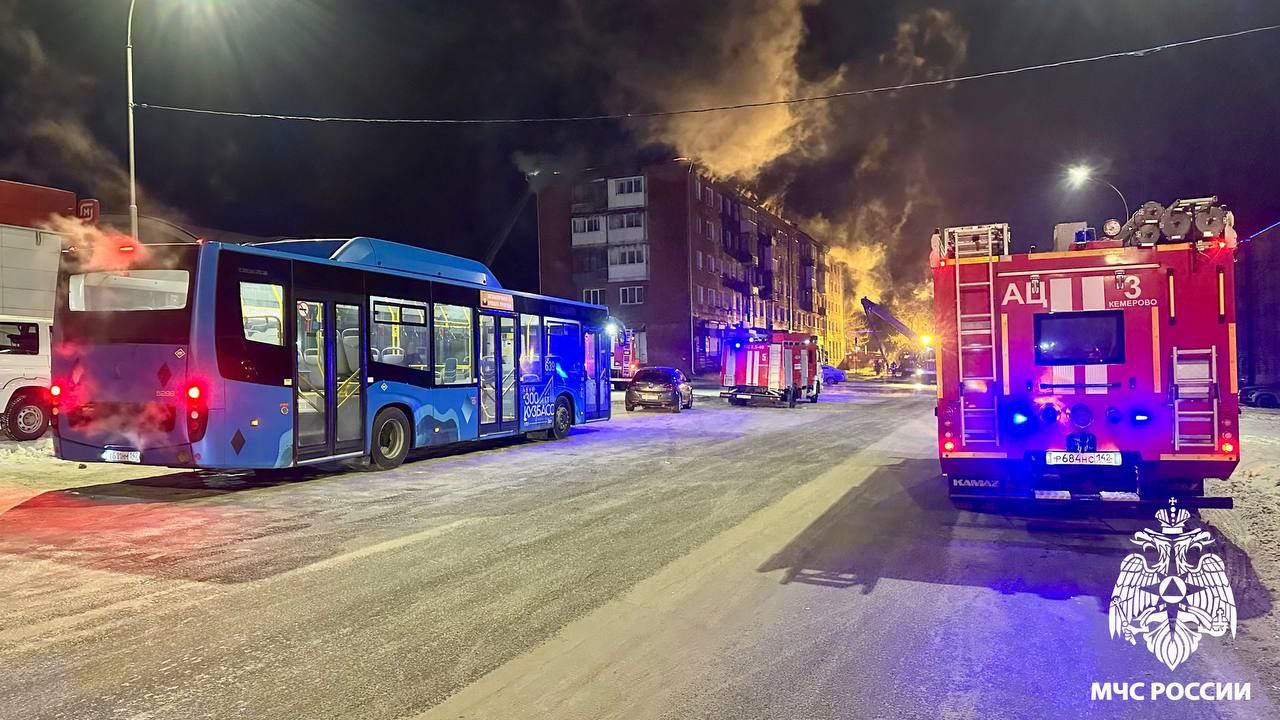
719, 563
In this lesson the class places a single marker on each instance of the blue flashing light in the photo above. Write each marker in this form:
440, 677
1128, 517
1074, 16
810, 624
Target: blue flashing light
1020, 419
737, 346
560, 371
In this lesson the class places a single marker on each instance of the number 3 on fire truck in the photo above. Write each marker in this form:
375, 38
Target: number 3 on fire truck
1132, 287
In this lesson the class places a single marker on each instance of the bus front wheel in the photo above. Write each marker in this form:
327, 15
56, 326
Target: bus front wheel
390, 438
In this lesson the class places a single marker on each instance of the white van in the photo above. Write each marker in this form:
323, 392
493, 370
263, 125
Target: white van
24, 376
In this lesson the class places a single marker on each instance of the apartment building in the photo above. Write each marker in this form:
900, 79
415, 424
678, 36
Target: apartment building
682, 259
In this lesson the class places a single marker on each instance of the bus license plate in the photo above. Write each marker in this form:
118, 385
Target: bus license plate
740, 396
124, 456
1058, 457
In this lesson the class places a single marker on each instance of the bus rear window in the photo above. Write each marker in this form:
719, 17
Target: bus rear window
128, 290
1080, 338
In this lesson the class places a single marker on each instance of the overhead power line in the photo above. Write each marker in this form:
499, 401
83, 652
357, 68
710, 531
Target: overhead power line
723, 108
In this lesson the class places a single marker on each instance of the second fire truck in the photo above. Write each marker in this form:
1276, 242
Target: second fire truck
1103, 371
770, 367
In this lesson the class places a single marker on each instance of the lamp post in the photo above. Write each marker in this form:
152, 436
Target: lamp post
133, 179
1078, 175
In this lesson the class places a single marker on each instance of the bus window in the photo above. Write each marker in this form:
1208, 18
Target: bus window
398, 333
453, 345
564, 348
125, 290
530, 348
262, 312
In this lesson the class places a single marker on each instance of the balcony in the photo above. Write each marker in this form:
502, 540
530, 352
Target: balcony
586, 231
736, 285
625, 235
739, 252
632, 271
589, 197
765, 282
628, 192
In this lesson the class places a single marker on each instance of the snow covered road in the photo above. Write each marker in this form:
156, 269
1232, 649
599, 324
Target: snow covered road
723, 563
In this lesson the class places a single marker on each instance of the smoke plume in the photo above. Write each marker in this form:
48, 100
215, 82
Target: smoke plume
851, 171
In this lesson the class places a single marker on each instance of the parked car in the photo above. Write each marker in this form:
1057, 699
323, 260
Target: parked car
24, 377
659, 387
1267, 396
832, 374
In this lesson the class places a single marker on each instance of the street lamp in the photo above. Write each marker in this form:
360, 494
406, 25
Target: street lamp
1078, 175
133, 178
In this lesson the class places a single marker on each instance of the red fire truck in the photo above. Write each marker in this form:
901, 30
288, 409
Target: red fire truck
778, 368
1104, 371
625, 360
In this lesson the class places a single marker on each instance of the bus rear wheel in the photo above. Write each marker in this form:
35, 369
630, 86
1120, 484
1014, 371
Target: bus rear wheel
562, 419
390, 438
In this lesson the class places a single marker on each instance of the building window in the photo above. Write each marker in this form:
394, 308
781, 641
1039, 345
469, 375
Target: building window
586, 224
632, 295
626, 220
707, 229
629, 186
595, 296
701, 298
633, 255
699, 259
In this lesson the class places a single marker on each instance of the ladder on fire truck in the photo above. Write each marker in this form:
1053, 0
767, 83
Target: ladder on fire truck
1195, 398
976, 327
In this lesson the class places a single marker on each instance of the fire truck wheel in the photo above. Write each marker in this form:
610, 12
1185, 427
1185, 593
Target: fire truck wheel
814, 397
631, 408
791, 397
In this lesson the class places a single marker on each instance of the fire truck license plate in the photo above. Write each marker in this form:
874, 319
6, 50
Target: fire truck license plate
1058, 457
122, 456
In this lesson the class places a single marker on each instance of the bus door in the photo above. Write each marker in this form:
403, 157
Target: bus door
497, 373
329, 369
595, 374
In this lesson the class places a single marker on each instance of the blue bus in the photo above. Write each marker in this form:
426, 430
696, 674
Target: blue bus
296, 352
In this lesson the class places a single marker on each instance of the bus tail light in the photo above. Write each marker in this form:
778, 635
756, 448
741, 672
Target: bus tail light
948, 446
55, 397
1228, 447
197, 414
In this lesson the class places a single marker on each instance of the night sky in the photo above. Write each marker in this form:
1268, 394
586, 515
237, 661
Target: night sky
873, 175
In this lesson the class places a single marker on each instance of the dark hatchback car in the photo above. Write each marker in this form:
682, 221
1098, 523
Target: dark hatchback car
659, 387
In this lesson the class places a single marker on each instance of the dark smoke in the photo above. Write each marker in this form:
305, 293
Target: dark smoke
852, 171
44, 134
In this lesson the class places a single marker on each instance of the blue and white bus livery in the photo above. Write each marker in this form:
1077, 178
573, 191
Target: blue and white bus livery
305, 351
